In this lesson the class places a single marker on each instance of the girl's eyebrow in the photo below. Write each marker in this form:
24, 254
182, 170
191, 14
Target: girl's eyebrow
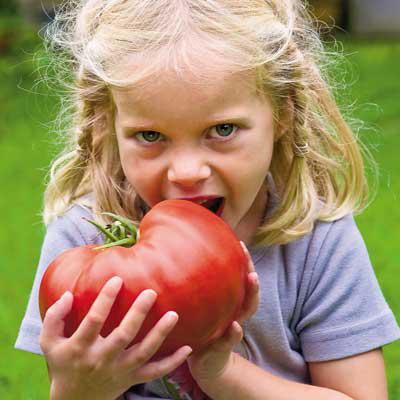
215, 121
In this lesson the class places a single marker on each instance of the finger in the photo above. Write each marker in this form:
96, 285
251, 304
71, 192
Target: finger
232, 337
53, 323
252, 299
157, 369
123, 335
142, 352
90, 327
235, 335
250, 264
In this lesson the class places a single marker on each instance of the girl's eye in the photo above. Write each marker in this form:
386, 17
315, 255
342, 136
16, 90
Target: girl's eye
224, 130
148, 136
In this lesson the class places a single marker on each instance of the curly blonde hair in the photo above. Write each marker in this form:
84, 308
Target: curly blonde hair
317, 163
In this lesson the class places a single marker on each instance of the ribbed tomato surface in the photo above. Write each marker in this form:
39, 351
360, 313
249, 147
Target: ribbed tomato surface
187, 254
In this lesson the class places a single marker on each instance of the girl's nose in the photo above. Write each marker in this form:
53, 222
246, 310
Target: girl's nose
188, 169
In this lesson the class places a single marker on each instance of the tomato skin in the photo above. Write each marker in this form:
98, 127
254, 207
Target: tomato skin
187, 254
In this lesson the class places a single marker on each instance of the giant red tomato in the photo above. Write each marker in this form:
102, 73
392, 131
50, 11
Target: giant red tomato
187, 254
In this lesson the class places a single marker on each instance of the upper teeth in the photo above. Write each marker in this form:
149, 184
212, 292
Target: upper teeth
200, 201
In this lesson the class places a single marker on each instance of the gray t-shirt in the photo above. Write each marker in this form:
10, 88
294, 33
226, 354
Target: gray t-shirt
320, 299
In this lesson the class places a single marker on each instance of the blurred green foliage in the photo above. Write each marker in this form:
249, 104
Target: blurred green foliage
16, 37
8, 7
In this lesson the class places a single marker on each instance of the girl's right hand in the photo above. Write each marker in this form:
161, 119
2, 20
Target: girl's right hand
88, 366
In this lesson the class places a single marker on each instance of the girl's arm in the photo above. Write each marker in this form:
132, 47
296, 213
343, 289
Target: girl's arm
362, 376
354, 378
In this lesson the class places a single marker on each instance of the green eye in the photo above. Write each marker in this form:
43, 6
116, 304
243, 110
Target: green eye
224, 130
149, 136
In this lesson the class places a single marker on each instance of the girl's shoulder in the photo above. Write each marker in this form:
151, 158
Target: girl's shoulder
326, 232
339, 239
72, 224
331, 257
332, 249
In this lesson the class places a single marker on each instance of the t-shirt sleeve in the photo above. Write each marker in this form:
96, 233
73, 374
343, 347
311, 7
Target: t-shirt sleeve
344, 312
62, 234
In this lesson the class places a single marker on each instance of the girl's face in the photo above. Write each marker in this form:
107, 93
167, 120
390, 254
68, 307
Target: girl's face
183, 140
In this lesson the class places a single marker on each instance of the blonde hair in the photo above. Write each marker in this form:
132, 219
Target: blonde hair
317, 164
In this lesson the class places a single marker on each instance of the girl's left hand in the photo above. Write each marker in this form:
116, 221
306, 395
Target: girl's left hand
209, 363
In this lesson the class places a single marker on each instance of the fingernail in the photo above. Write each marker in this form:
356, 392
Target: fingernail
244, 247
65, 295
237, 325
256, 278
150, 294
115, 280
172, 316
114, 284
188, 350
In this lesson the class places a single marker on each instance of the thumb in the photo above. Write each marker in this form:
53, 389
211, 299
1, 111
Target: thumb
235, 333
53, 323
232, 337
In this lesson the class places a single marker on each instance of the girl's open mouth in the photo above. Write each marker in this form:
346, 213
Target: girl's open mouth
215, 205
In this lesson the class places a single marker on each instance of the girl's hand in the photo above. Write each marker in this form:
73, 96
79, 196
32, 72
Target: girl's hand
88, 366
209, 363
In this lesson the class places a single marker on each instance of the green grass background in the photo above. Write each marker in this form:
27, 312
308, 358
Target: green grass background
371, 68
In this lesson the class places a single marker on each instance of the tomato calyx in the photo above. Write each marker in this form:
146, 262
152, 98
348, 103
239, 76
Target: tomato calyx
172, 387
121, 232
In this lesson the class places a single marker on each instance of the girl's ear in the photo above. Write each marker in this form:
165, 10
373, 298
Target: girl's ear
285, 119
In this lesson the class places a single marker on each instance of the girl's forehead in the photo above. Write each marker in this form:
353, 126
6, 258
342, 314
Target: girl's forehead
227, 88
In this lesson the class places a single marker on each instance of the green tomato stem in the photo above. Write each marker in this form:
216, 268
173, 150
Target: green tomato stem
127, 242
124, 221
122, 232
171, 389
102, 229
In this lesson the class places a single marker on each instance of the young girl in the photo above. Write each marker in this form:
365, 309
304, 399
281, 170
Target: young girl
205, 99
